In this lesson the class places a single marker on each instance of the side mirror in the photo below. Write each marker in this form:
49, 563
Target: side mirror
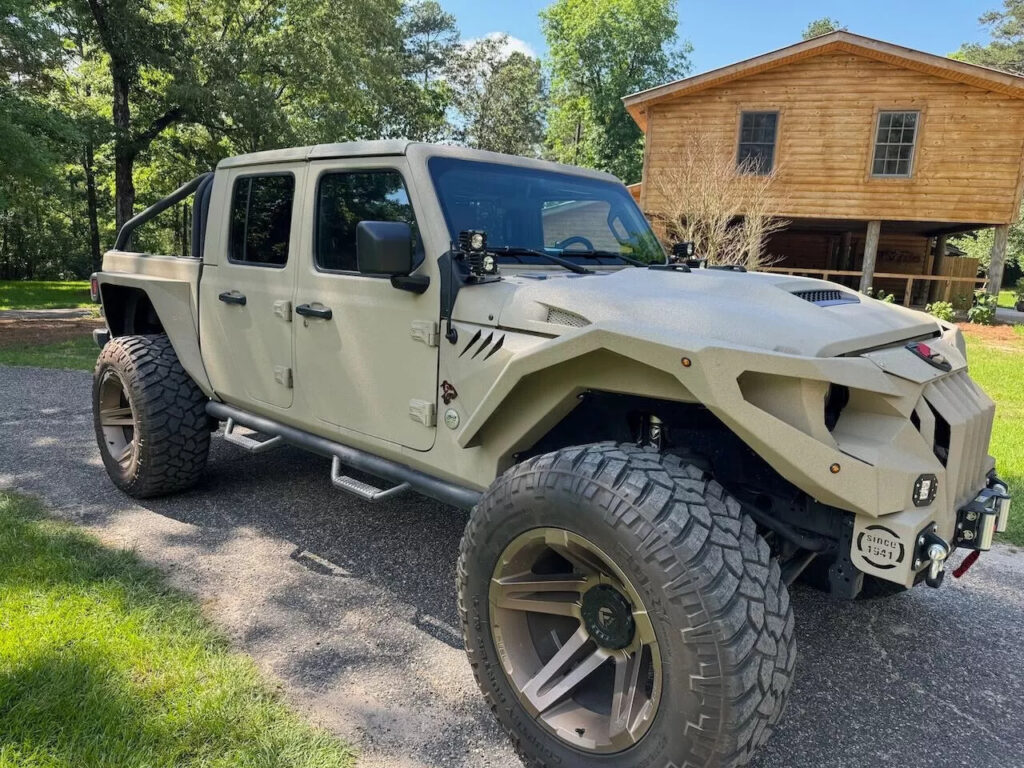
384, 248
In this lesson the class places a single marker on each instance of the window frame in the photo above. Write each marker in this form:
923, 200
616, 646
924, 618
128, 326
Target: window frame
775, 139
231, 209
912, 163
315, 242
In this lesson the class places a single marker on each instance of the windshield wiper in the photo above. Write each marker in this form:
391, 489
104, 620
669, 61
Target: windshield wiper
596, 254
514, 250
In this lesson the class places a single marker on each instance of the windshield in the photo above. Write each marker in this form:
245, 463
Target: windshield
588, 221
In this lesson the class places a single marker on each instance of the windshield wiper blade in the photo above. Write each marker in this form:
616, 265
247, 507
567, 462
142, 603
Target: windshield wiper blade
607, 254
514, 250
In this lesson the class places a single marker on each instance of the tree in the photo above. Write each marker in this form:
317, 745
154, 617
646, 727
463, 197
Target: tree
431, 39
498, 97
510, 115
723, 210
600, 51
820, 27
1006, 48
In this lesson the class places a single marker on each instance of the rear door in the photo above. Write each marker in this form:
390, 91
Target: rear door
247, 288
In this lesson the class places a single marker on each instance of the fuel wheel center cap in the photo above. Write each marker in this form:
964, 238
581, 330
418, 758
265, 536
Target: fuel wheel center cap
608, 617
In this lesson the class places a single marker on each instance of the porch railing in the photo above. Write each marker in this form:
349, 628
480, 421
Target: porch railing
825, 274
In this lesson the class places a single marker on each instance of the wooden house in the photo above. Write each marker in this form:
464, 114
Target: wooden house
880, 152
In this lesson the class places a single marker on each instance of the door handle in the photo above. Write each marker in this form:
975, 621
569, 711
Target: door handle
233, 297
324, 313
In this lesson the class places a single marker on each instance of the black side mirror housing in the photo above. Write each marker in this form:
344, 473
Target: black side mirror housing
384, 248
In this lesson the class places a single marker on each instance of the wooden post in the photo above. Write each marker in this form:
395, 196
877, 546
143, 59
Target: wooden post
933, 266
998, 259
870, 254
846, 251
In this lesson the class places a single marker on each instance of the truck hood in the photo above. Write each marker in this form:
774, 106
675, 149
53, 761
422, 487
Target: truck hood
759, 310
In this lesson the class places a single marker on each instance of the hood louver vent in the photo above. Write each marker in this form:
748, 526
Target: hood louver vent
564, 317
828, 297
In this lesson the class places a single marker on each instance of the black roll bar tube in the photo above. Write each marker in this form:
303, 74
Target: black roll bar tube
124, 237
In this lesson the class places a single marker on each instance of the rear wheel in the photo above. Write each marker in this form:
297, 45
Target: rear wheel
619, 609
149, 416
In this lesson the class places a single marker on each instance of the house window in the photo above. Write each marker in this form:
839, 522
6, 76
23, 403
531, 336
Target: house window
343, 200
757, 142
261, 219
894, 143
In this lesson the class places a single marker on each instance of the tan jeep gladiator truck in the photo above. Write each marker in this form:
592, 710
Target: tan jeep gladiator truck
650, 450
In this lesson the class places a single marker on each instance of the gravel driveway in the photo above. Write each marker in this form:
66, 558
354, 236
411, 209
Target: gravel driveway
352, 608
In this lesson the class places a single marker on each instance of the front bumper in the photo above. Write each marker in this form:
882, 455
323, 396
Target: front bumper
905, 548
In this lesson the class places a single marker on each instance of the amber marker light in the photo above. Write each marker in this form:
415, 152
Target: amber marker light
834, 469
687, 362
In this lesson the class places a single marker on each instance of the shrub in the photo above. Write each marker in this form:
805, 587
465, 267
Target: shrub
1018, 290
888, 298
942, 310
984, 310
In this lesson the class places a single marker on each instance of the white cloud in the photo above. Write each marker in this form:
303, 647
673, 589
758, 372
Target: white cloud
512, 44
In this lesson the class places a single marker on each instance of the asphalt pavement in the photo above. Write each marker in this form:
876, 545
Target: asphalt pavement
351, 608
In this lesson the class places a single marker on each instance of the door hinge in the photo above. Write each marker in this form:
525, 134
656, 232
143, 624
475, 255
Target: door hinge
283, 376
425, 331
424, 412
283, 309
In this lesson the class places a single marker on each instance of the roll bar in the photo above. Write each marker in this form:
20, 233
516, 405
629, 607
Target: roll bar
124, 237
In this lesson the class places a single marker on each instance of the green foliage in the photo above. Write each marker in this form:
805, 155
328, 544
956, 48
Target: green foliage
600, 51
1006, 49
1018, 290
881, 295
984, 310
820, 27
943, 310
102, 665
500, 98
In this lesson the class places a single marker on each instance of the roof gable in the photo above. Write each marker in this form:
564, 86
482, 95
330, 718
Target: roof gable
840, 41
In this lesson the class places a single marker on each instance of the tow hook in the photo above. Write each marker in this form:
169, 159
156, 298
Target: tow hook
933, 548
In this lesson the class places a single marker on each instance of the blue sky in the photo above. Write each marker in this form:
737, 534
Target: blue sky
730, 30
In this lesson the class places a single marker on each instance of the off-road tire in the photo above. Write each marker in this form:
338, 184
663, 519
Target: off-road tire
168, 410
721, 612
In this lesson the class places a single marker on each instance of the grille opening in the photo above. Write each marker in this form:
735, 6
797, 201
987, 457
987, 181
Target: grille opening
837, 398
915, 420
941, 445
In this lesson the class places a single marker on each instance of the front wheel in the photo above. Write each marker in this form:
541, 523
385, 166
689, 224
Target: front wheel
619, 609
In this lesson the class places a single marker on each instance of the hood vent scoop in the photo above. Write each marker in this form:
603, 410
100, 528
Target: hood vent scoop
828, 297
564, 317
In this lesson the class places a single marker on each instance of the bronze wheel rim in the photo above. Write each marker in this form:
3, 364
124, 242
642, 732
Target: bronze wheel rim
575, 640
117, 420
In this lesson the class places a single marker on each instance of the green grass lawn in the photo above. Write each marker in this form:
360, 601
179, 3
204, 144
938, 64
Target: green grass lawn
101, 664
35, 294
998, 366
78, 353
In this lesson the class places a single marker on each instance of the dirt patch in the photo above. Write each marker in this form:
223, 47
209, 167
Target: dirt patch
1001, 334
20, 332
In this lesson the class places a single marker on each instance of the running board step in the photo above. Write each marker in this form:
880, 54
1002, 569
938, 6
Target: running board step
358, 488
247, 443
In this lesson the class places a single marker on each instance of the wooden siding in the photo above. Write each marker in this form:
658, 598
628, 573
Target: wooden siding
968, 154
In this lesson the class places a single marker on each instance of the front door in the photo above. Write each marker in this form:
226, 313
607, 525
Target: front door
366, 352
246, 290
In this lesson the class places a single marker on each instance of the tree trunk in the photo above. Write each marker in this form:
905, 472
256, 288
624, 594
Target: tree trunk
124, 149
92, 207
